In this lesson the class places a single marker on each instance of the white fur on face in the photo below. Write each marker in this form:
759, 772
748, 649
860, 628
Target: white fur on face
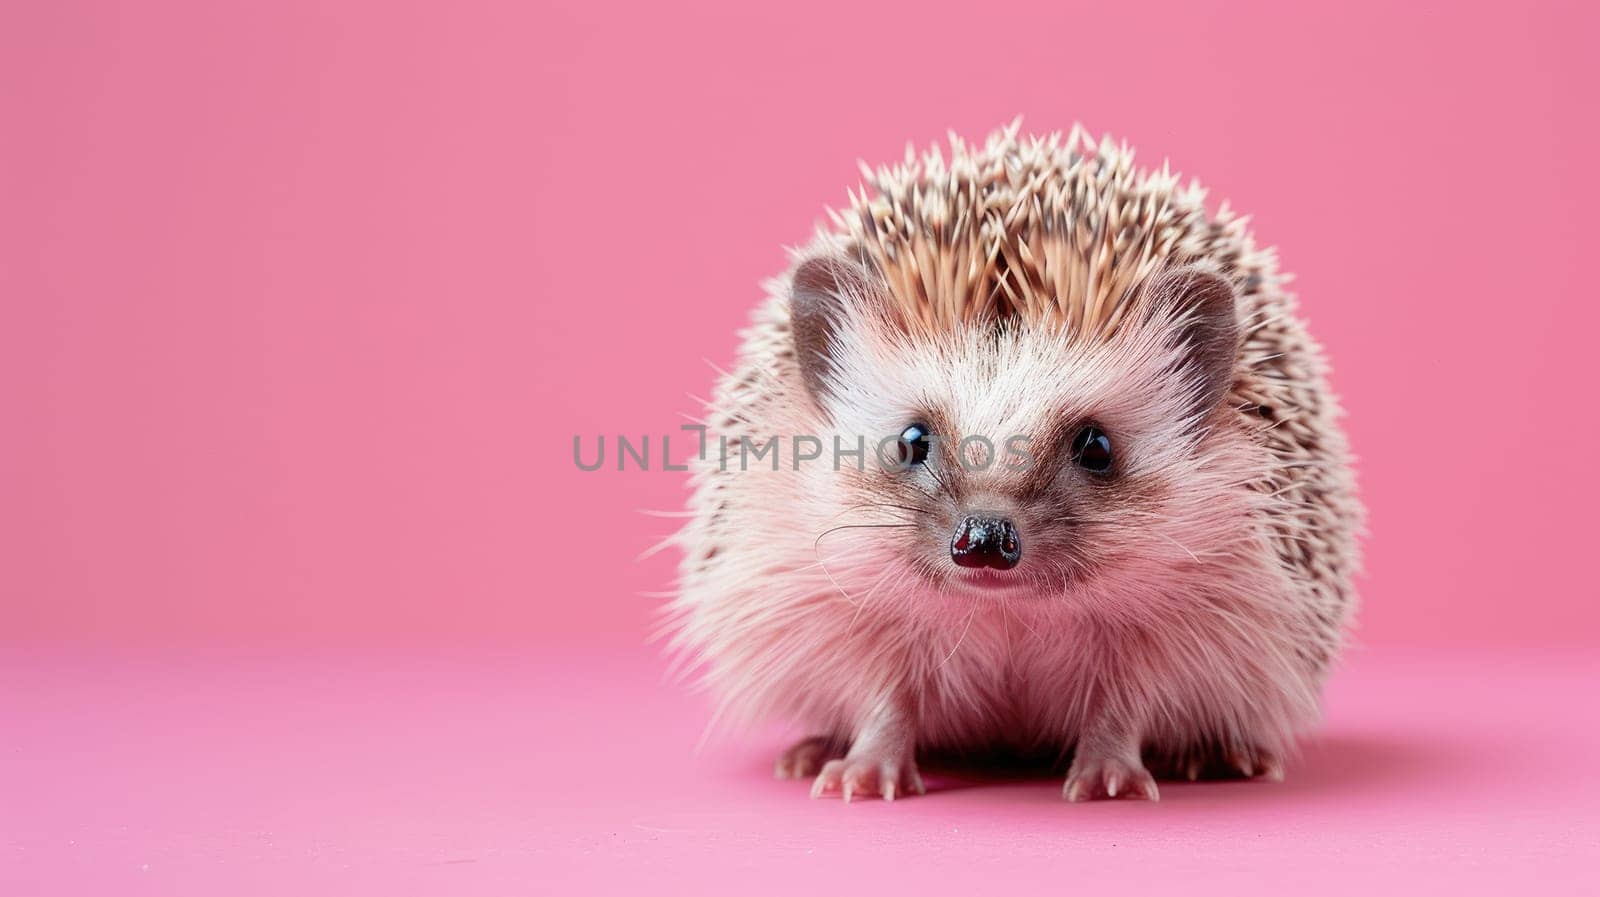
835, 583
1174, 492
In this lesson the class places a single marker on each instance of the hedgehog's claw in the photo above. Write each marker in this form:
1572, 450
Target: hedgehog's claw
1235, 762
887, 777
804, 758
1241, 763
1270, 768
1094, 777
1254, 762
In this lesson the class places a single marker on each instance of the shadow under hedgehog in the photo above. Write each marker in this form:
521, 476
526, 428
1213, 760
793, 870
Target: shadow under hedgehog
1159, 589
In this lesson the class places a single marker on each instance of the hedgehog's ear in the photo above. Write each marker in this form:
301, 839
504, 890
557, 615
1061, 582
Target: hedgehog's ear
1201, 306
818, 304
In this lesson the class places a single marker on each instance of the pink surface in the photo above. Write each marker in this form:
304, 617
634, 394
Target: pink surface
487, 776
302, 304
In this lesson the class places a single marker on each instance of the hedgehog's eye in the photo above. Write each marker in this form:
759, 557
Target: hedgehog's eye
1091, 449
915, 441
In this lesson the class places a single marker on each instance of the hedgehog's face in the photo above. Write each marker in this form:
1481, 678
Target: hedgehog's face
1019, 459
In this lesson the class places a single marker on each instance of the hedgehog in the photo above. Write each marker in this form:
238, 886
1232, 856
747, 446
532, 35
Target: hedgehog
1065, 483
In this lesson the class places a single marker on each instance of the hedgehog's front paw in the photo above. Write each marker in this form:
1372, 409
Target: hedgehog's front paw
887, 774
1095, 775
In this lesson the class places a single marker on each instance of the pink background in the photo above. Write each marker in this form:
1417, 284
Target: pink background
301, 306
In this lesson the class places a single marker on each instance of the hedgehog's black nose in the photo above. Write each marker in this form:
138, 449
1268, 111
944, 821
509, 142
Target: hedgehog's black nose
986, 542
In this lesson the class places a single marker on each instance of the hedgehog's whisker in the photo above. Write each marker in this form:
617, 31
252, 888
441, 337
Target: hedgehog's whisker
938, 477
816, 548
833, 529
973, 612
883, 578
872, 506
